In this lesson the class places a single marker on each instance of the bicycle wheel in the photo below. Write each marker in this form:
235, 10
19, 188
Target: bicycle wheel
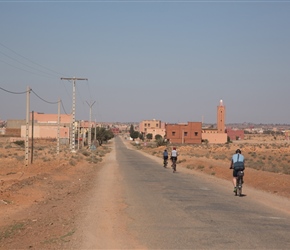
174, 166
165, 164
239, 186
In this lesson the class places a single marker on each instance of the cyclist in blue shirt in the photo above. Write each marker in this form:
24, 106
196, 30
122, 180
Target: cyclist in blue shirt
235, 158
165, 157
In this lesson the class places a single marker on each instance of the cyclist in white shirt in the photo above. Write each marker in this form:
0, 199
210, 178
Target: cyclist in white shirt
174, 154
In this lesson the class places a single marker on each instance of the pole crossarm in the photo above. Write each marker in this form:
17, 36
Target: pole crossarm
74, 78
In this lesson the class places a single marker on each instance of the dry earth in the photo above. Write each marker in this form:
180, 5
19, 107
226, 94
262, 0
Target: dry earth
40, 203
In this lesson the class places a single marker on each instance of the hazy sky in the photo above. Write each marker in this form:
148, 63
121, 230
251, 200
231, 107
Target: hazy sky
166, 60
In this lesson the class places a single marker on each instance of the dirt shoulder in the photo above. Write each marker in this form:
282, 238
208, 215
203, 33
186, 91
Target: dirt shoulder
39, 204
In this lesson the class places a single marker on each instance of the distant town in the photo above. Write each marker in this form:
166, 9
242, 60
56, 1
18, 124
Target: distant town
60, 126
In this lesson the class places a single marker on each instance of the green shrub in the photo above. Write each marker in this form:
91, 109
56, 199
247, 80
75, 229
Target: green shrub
72, 162
19, 143
190, 167
201, 167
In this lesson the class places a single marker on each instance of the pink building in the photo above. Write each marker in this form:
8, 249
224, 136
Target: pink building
189, 133
46, 126
50, 118
154, 127
235, 134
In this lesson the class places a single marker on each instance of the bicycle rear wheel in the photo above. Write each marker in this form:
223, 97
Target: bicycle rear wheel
239, 186
174, 166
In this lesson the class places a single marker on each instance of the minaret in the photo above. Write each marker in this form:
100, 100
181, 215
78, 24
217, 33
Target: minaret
221, 114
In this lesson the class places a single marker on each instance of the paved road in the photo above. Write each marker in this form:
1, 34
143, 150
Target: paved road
137, 204
181, 211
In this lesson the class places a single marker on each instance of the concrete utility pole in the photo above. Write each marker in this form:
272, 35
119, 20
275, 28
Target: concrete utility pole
90, 125
27, 124
74, 79
58, 127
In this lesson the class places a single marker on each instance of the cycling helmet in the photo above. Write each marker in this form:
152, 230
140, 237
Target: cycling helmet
174, 148
238, 151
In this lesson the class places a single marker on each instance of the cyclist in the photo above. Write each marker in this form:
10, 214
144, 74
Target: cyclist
237, 157
174, 155
165, 157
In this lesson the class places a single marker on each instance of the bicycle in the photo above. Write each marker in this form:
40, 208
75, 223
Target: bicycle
165, 162
240, 181
174, 165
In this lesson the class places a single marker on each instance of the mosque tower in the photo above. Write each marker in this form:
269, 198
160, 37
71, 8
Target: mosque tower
221, 114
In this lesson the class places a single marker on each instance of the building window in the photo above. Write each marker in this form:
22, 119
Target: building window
145, 129
148, 124
173, 133
156, 125
185, 133
196, 133
145, 124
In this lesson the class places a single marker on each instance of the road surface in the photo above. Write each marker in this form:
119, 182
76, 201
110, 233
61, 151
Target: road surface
138, 204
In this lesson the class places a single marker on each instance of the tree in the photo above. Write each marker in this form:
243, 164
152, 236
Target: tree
135, 135
131, 131
158, 137
160, 141
149, 136
102, 134
141, 136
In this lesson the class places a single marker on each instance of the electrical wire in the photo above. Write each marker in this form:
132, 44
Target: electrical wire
11, 92
16, 53
64, 108
25, 69
26, 65
43, 99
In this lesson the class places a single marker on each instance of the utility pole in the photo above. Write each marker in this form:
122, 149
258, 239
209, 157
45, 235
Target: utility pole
32, 135
74, 79
90, 125
58, 127
27, 124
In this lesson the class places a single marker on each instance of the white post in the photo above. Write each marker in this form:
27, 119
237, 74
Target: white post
58, 127
90, 125
27, 125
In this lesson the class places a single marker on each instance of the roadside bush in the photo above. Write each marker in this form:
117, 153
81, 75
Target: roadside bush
72, 162
86, 153
19, 143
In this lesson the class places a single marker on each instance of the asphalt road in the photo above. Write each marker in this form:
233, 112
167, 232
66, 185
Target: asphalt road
180, 211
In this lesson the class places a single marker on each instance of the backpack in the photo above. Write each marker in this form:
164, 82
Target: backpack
239, 165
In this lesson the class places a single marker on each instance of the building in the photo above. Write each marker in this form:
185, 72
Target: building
221, 114
219, 134
154, 127
50, 118
115, 131
13, 127
235, 134
190, 133
45, 126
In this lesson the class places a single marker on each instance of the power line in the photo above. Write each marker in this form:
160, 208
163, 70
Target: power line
64, 108
24, 69
42, 98
11, 92
26, 65
16, 53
